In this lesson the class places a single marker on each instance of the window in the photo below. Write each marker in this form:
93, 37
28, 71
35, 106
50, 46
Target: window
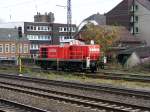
38, 37
68, 29
60, 29
136, 7
42, 28
65, 37
31, 37
28, 27
13, 49
73, 29
136, 18
65, 29
38, 27
34, 28
46, 37
49, 28
1, 48
6, 48
34, 46
137, 30
37, 46
31, 28
25, 48
28, 36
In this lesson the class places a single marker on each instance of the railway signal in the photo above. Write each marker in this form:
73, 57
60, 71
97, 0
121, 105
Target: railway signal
19, 57
19, 32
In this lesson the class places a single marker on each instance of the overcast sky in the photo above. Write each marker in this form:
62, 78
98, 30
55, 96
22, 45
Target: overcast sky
24, 10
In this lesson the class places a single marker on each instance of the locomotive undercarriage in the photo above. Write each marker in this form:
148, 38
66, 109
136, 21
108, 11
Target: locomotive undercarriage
71, 65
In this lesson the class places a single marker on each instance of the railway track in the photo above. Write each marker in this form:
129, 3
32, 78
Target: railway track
92, 87
121, 76
100, 74
91, 103
80, 100
11, 106
107, 75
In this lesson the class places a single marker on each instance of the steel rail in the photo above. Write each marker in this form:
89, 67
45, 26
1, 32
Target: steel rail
77, 99
106, 88
120, 76
109, 75
7, 105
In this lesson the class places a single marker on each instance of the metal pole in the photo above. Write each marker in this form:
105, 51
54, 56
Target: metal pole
69, 18
57, 64
19, 61
19, 56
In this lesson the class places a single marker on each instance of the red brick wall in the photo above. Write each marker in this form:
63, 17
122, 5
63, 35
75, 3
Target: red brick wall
16, 53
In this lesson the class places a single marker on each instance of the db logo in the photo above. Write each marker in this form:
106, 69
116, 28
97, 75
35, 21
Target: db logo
94, 49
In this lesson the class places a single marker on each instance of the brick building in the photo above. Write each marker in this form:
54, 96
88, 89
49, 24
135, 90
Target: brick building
10, 46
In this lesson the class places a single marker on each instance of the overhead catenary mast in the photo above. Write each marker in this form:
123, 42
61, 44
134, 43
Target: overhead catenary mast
69, 18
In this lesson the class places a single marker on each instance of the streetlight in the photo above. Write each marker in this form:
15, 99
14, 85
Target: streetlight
61, 6
69, 17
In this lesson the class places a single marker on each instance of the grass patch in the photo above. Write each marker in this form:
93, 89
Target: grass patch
71, 77
84, 79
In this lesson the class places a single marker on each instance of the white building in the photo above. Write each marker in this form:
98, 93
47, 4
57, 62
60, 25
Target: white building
142, 20
134, 15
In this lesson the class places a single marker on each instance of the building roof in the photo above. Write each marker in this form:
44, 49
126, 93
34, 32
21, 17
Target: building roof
98, 18
10, 34
126, 36
142, 52
145, 3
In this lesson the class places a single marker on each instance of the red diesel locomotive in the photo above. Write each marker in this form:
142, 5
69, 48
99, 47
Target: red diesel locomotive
69, 57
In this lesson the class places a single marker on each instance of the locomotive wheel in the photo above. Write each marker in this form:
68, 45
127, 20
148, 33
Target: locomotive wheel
44, 67
92, 70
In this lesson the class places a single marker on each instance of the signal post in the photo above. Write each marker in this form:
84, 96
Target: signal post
19, 55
